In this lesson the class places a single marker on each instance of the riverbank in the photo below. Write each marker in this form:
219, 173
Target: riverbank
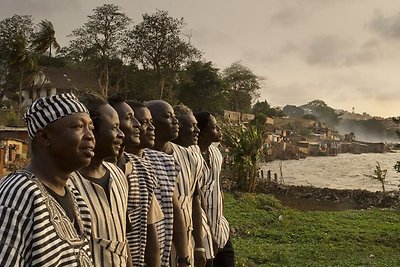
326, 199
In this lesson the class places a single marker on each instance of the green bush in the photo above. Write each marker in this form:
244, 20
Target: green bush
245, 148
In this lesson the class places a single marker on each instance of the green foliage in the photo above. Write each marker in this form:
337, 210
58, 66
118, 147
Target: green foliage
100, 40
379, 175
293, 111
267, 234
259, 120
242, 86
201, 88
267, 110
245, 147
157, 44
309, 117
45, 38
9, 117
323, 112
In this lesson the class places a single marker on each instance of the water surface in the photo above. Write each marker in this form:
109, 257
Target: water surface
344, 171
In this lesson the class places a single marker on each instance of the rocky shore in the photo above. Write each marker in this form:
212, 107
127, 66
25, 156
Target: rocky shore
312, 198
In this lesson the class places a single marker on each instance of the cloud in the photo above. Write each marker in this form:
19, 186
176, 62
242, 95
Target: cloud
33, 7
385, 26
367, 53
289, 16
207, 36
326, 50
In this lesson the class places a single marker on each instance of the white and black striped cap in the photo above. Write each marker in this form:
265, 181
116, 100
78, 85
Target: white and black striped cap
46, 110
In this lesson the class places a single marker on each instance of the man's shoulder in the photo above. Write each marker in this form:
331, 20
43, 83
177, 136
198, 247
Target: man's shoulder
19, 189
18, 180
182, 151
215, 148
151, 153
114, 169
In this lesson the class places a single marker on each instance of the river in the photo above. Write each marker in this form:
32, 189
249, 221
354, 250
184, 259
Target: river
344, 171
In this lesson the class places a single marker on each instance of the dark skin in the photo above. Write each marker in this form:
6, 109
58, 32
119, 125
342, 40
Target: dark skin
131, 128
148, 140
188, 131
53, 161
109, 140
188, 136
210, 134
167, 129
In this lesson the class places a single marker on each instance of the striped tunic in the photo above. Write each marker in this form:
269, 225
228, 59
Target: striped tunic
187, 180
166, 171
214, 197
207, 235
34, 228
141, 191
109, 244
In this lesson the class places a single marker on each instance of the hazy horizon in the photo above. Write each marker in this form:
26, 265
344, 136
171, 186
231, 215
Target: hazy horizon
342, 52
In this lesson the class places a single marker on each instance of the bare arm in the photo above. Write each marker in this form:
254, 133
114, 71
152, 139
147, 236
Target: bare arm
129, 258
199, 256
152, 255
180, 237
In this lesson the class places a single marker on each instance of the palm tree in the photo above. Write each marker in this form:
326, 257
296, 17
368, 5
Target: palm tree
45, 38
19, 59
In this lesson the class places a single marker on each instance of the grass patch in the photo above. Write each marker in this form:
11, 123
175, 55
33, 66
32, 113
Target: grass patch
265, 233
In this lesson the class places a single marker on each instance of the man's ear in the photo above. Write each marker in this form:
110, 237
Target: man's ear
42, 137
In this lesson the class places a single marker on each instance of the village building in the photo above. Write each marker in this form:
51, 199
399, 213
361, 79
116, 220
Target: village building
56, 80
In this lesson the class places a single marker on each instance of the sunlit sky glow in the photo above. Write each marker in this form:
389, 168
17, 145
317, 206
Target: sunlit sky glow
345, 52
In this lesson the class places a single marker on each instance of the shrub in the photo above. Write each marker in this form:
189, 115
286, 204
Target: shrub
245, 147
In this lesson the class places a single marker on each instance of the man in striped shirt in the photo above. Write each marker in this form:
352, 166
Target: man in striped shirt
210, 133
167, 128
143, 208
104, 188
188, 136
164, 167
43, 222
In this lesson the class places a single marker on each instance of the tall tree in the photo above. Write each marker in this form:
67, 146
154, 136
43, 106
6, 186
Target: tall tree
17, 25
44, 39
201, 79
243, 87
100, 40
19, 59
157, 44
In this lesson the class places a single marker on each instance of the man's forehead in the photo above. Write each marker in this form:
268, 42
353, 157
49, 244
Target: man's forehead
142, 113
188, 118
123, 108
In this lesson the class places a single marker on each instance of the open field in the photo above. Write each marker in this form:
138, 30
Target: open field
265, 233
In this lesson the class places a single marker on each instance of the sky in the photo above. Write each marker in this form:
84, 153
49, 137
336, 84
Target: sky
344, 52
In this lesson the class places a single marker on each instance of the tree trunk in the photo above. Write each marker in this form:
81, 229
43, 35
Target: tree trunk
20, 96
106, 81
160, 83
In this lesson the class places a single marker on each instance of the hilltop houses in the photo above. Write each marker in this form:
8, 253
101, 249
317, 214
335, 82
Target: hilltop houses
51, 80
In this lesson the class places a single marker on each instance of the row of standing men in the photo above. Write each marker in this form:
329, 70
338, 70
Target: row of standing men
116, 183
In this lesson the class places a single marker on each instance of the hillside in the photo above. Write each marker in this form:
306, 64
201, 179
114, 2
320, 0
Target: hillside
364, 126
